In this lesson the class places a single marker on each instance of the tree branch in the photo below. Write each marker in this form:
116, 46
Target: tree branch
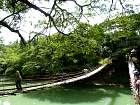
13, 14
43, 12
12, 30
121, 4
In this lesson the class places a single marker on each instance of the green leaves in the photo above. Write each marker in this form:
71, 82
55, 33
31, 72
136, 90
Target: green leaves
14, 5
55, 53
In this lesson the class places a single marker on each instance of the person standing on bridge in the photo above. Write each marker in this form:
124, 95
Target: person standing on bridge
136, 71
18, 80
138, 86
136, 62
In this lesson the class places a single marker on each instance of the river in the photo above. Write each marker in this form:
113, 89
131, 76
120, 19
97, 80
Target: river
71, 95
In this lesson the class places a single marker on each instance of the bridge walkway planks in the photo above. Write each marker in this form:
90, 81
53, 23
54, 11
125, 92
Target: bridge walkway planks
76, 78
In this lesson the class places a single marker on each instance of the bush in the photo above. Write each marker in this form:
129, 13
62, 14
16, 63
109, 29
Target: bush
30, 68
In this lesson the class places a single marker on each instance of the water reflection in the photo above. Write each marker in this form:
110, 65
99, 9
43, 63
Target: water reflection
83, 95
5, 102
78, 95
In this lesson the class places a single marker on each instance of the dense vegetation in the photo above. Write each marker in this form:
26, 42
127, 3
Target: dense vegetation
55, 53
86, 46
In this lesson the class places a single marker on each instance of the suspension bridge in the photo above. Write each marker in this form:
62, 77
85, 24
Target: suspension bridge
7, 88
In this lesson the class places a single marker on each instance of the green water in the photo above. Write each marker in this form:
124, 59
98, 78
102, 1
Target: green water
89, 95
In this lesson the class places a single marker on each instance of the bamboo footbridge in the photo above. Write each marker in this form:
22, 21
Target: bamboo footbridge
66, 79
132, 82
55, 82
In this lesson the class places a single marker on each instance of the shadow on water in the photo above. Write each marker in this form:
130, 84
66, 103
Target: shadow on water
78, 94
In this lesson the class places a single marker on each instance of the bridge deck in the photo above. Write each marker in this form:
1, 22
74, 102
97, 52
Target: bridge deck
76, 78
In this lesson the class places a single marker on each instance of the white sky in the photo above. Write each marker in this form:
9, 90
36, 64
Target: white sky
27, 27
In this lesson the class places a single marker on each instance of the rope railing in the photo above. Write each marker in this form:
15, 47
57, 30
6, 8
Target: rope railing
7, 86
33, 82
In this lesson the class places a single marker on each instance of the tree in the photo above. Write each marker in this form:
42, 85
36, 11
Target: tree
55, 13
2, 62
56, 53
122, 32
121, 36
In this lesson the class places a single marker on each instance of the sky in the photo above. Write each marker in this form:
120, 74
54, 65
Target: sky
31, 20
